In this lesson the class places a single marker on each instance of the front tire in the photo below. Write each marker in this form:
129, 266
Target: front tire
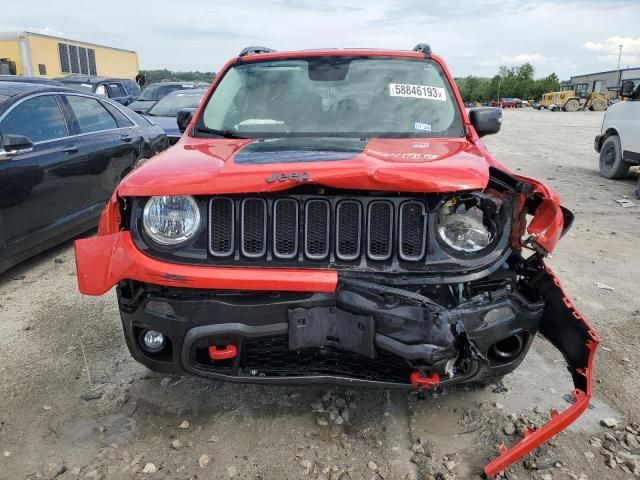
572, 105
599, 105
612, 164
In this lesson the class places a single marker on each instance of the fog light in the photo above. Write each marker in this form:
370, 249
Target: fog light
153, 341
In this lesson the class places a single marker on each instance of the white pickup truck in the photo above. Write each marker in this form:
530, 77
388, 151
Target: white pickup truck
619, 139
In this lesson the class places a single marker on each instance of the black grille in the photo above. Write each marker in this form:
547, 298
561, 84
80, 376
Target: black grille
221, 227
348, 230
317, 222
271, 356
412, 230
379, 239
285, 228
254, 227
301, 228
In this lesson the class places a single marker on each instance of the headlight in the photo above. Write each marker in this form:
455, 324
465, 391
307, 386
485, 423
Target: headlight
171, 220
463, 224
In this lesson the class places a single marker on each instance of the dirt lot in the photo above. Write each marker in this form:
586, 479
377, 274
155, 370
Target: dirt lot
118, 420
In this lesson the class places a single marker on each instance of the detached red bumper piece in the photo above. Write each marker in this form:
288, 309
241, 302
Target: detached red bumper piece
103, 261
569, 332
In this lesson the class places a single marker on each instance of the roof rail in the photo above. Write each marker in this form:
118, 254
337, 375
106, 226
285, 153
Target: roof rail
255, 50
424, 48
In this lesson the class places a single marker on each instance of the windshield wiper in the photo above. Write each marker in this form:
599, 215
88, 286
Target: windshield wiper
221, 133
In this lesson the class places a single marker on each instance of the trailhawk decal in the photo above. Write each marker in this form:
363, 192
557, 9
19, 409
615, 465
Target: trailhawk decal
417, 91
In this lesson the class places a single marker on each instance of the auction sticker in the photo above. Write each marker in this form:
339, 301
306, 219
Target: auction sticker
417, 91
422, 126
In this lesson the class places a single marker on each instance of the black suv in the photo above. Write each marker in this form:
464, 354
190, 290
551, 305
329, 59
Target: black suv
157, 91
121, 90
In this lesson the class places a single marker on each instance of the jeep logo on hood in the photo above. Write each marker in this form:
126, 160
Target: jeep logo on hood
292, 177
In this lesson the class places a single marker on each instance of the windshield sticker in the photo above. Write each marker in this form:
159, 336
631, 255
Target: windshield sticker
417, 91
425, 127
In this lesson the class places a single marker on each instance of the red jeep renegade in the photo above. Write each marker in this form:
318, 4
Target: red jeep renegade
333, 217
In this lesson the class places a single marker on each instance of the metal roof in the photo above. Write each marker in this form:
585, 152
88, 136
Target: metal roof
606, 71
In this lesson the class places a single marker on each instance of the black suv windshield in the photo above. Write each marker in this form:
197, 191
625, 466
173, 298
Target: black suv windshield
158, 91
169, 105
333, 96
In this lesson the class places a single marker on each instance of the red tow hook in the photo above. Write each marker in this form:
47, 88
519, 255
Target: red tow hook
432, 381
224, 353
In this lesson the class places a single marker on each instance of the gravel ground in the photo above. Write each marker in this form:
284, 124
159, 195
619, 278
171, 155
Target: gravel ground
74, 404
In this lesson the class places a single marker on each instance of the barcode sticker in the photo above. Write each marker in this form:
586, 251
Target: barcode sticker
417, 91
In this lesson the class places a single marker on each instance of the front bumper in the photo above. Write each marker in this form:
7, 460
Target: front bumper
192, 305
105, 260
347, 336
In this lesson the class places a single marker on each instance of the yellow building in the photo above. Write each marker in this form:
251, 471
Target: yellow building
37, 55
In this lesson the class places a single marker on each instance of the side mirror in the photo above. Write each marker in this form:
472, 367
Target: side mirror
486, 121
184, 117
13, 145
626, 91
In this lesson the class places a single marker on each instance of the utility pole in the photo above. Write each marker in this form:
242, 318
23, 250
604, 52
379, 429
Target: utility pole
619, 71
499, 81
619, 56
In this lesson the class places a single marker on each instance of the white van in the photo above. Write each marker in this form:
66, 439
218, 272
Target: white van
619, 141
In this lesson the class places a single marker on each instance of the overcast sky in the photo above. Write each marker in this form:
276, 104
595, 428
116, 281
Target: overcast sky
475, 37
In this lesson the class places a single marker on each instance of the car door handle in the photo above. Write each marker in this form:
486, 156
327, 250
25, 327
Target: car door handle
126, 138
70, 149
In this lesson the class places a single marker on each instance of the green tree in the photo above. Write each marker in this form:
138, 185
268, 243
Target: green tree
164, 75
509, 82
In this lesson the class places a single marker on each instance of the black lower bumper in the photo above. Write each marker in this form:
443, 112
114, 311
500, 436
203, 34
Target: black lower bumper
353, 336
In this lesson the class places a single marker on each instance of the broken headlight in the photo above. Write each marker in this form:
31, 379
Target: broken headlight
466, 223
171, 220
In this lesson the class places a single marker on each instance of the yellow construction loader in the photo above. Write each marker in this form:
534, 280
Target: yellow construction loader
572, 98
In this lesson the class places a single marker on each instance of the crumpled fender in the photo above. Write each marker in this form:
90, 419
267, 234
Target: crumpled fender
110, 218
548, 220
569, 332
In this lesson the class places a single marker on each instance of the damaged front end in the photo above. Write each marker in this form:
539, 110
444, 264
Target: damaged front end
327, 285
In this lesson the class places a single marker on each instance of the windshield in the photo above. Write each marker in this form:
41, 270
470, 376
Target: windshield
333, 96
156, 92
169, 105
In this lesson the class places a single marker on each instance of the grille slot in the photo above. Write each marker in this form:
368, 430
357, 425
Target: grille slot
285, 228
348, 230
317, 223
380, 231
412, 231
221, 227
253, 232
